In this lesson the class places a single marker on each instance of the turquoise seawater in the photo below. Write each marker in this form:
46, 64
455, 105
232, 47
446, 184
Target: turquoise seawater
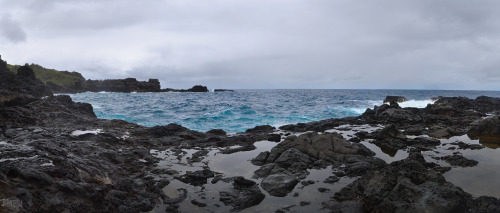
243, 109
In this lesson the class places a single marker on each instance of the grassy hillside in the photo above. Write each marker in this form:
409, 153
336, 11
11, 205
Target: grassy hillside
60, 78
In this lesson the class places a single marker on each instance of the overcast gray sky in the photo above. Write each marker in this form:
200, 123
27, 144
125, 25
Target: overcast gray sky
413, 44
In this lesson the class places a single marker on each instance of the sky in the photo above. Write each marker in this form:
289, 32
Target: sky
272, 44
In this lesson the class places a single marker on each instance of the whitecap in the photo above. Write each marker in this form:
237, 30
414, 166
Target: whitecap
342, 110
416, 103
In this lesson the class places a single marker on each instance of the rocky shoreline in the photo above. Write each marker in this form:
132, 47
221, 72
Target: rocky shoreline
57, 156
127, 85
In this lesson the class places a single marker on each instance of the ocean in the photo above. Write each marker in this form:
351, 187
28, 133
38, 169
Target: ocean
243, 109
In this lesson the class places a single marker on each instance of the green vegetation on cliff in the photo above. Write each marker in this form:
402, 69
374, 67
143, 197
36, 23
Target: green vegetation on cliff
59, 78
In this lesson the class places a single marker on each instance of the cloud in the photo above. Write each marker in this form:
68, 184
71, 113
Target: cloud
11, 29
449, 44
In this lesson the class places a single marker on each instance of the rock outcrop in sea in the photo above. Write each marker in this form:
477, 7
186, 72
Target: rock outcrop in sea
122, 85
126, 85
57, 156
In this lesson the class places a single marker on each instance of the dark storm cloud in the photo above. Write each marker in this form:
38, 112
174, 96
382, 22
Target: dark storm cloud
448, 44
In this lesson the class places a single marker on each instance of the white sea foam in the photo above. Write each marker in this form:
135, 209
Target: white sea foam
83, 132
358, 110
347, 111
416, 103
410, 103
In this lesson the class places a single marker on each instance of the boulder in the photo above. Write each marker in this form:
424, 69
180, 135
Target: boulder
197, 178
293, 158
198, 88
440, 132
462, 145
218, 132
170, 130
324, 146
488, 127
459, 160
332, 179
395, 99
390, 137
245, 193
486, 104
239, 149
279, 185
424, 142
260, 159
274, 138
295, 155
264, 129
396, 115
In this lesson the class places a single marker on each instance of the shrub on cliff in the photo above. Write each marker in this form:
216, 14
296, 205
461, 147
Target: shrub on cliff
59, 78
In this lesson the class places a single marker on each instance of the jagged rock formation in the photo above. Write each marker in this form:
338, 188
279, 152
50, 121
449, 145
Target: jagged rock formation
196, 88
122, 85
74, 82
395, 99
46, 167
408, 185
24, 82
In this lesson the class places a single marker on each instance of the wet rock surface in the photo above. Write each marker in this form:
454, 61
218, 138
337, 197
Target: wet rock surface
488, 127
459, 160
395, 99
403, 186
279, 184
245, 193
462, 145
407, 186
57, 156
197, 178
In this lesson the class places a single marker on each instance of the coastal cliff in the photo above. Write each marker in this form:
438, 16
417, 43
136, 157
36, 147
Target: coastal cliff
74, 82
122, 85
57, 156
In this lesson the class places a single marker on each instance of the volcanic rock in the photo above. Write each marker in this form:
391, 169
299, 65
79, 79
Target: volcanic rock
245, 193
402, 186
488, 127
279, 185
122, 85
459, 160
396, 99
24, 82
197, 178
